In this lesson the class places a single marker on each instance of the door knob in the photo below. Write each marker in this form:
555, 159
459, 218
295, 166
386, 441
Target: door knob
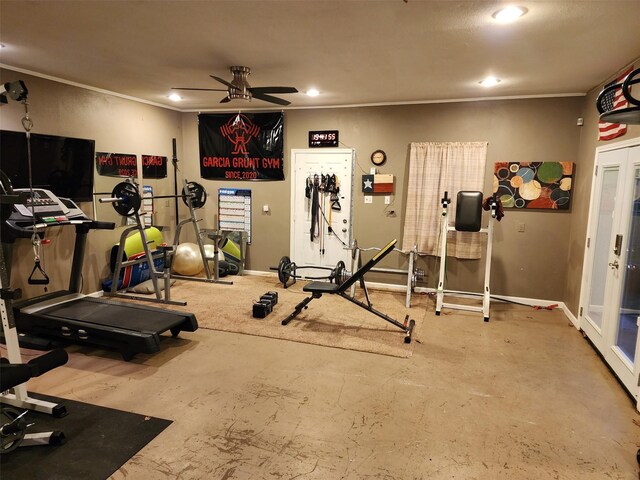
614, 264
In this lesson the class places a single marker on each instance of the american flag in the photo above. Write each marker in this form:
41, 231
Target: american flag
613, 100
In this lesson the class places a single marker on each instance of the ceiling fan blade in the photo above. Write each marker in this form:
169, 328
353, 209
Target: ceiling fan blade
269, 98
273, 90
223, 81
201, 89
225, 100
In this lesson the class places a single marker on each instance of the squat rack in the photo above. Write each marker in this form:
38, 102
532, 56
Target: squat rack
126, 201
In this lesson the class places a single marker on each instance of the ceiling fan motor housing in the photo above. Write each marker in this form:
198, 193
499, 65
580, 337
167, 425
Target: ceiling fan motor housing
240, 83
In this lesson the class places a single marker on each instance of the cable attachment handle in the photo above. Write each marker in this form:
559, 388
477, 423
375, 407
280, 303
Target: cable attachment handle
38, 281
37, 268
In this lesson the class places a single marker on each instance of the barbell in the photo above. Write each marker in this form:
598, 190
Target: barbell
126, 198
287, 270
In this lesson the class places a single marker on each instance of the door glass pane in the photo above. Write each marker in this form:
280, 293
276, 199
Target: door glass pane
601, 244
630, 305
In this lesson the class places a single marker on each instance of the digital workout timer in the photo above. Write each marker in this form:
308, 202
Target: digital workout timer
323, 138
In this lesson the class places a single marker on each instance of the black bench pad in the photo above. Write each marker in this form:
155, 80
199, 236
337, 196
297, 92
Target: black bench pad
321, 287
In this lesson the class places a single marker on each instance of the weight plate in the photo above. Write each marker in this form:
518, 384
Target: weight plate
195, 193
339, 276
284, 270
130, 199
10, 441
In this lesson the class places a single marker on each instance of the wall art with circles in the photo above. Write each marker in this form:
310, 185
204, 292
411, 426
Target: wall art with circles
534, 185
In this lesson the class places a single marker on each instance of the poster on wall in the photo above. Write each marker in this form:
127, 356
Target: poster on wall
241, 146
154, 166
234, 210
534, 185
117, 164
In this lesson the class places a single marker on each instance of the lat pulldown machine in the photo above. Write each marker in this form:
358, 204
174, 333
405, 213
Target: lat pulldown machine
468, 219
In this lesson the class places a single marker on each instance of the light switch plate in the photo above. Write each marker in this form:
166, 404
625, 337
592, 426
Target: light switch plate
368, 199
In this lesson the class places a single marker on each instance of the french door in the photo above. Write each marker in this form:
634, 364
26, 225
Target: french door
610, 298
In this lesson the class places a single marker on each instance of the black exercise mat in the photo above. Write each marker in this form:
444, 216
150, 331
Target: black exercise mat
99, 441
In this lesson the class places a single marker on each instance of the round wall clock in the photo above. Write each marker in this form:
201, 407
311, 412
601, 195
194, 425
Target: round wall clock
378, 157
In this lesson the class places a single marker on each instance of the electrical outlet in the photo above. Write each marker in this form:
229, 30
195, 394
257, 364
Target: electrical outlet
368, 199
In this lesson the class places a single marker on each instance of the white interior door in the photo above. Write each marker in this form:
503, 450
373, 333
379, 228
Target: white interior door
610, 301
333, 227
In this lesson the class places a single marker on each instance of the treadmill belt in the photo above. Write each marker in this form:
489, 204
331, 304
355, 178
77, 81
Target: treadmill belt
117, 315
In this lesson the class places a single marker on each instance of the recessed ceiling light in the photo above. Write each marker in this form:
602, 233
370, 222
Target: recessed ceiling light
175, 97
489, 82
312, 92
509, 14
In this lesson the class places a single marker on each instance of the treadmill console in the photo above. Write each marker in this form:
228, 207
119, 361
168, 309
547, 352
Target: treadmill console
43, 203
48, 210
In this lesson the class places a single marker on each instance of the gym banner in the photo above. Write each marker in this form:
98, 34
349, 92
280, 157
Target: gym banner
117, 164
241, 146
154, 166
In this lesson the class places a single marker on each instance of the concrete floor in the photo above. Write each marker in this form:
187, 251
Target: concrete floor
522, 397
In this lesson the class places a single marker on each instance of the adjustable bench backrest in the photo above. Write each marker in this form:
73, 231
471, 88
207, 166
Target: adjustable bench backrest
367, 266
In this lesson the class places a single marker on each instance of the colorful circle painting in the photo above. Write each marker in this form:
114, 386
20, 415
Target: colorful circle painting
534, 185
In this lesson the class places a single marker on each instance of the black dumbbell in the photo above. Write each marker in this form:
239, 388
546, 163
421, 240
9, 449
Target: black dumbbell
272, 295
261, 309
270, 299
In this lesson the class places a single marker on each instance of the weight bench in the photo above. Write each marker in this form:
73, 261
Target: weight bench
13, 425
317, 289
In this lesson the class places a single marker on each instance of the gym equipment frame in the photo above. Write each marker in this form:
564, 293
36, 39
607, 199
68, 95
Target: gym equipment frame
70, 316
19, 398
126, 201
12, 424
412, 272
468, 219
317, 289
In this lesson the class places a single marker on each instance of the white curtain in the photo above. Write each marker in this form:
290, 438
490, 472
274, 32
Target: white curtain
434, 168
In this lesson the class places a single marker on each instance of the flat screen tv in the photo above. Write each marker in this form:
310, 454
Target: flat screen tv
61, 164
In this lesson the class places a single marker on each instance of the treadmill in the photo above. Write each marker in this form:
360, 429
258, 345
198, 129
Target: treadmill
70, 316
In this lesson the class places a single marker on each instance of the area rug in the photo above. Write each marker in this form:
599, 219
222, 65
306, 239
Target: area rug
99, 441
329, 321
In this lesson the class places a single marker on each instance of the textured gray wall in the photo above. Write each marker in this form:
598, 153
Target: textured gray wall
117, 125
530, 264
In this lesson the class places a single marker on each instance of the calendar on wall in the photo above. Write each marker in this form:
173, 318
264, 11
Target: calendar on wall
234, 210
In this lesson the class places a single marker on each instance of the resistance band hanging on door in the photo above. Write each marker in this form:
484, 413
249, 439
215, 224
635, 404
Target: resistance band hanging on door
317, 188
315, 205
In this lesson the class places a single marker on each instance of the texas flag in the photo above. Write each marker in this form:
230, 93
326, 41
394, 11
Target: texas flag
377, 183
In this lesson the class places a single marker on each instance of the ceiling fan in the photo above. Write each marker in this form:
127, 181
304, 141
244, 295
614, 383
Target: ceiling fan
239, 88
